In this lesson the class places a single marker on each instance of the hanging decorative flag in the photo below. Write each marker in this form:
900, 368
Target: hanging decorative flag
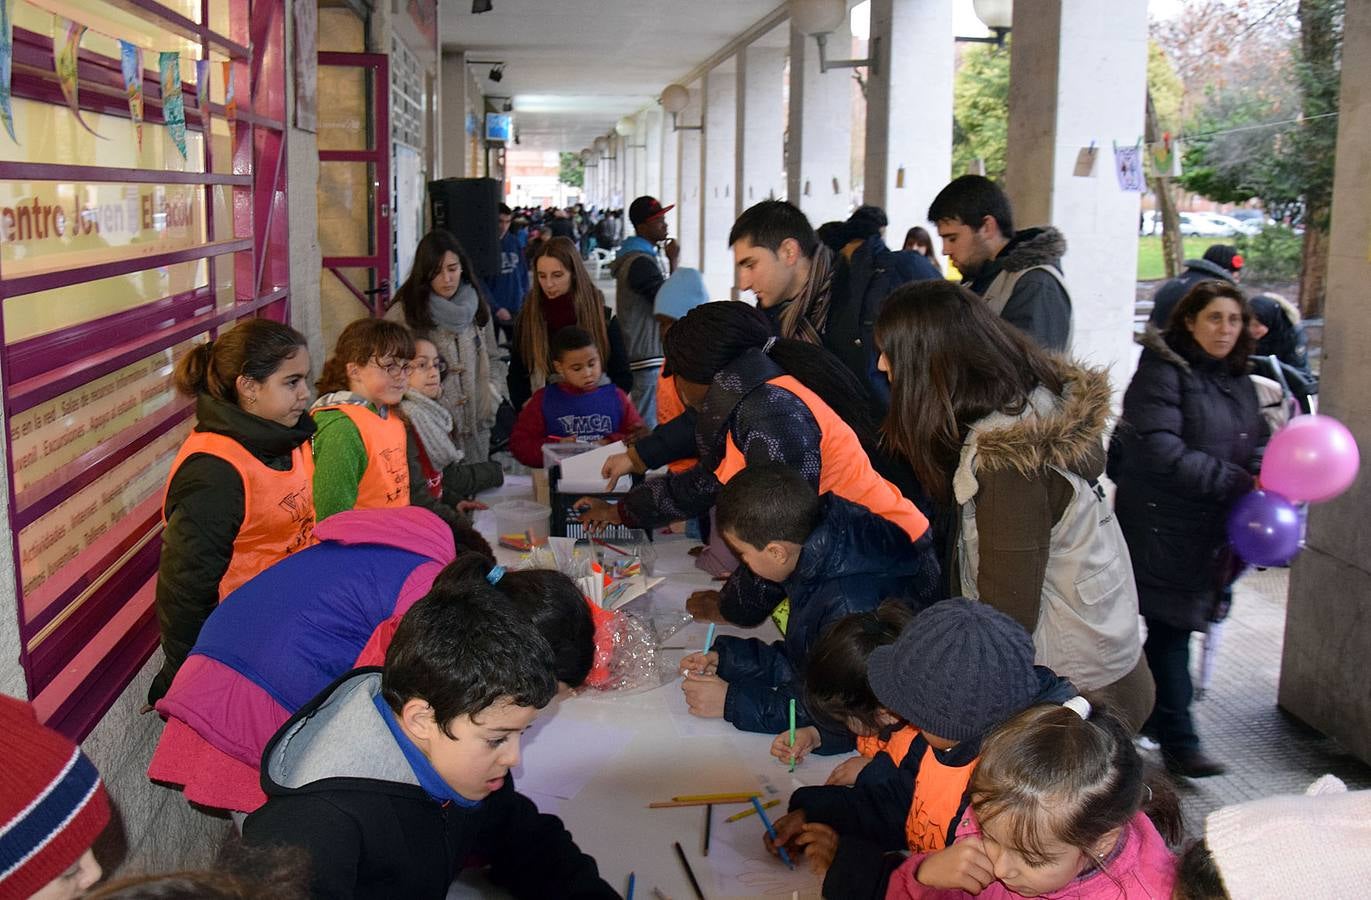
1163, 156
230, 105
202, 91
64, 61
1128, 166
6, 67
173, 105
131, 62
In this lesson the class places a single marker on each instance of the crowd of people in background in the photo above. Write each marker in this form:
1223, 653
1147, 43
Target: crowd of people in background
904, 471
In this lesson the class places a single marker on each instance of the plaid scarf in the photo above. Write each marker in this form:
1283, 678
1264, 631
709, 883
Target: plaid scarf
805, 318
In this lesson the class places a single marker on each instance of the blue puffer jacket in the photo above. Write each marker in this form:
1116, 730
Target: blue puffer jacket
851, 562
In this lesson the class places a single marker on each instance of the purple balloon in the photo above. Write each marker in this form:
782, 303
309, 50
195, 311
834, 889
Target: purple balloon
1264, 529
1313, 458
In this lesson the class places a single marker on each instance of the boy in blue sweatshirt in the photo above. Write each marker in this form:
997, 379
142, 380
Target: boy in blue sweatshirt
392, 779
832, 557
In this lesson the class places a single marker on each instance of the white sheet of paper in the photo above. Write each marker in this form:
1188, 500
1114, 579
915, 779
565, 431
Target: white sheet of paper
551, 765
688, 725
581, 473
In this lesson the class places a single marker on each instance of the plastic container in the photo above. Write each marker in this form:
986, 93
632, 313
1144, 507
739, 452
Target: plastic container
521, 524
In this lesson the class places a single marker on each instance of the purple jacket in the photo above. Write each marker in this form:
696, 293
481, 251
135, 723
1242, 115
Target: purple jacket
292, 630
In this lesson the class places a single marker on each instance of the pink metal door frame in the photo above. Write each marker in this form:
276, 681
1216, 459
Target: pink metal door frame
375, 297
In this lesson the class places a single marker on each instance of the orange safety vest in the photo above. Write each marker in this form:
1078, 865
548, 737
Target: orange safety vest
846, 470
278, 507
385, 482
938, 789
669, 406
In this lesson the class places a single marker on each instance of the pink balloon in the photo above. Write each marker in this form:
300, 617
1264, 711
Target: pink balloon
1313, 458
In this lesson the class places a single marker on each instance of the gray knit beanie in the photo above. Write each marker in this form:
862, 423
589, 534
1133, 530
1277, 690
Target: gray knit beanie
958, 669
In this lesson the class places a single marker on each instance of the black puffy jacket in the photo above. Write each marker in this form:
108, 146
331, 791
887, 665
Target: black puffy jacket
1184, 451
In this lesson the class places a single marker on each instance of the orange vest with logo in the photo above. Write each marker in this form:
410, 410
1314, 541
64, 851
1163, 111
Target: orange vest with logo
385, 482
669, 406
938, 789
278, 507
846, 470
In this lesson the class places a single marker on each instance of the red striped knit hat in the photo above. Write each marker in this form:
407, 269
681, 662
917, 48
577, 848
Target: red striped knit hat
52, 804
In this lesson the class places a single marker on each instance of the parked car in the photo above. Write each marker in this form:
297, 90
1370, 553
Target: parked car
1194, 224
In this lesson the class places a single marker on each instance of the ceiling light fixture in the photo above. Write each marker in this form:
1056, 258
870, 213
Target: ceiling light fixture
821, 17
676, 97
497, 72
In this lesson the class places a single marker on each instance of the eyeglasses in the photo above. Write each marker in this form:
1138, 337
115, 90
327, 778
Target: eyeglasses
422, 364
393, 369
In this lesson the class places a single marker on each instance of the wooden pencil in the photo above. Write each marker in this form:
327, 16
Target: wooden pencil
690, 873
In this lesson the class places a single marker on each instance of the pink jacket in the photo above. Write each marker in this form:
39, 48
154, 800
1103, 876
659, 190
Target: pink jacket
1143, 869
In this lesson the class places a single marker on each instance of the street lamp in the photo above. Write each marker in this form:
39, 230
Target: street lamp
997, 15
820, 18
676, 97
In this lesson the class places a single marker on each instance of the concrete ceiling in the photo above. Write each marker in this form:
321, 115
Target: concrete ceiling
573, 67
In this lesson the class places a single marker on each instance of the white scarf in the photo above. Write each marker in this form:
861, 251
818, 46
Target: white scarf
433, 424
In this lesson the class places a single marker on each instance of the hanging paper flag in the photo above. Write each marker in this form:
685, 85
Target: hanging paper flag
131, 61
6, 67
1163, 156
64, 61
173, 105
202, 91
230, 103
1128, 166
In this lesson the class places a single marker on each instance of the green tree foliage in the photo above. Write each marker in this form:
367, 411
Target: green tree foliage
1166, 88
980, 125
572, 172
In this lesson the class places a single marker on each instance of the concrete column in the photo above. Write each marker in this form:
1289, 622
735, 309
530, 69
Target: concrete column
820, 151
1327, 621
1079, 76
454, 115
669, 171
760, 126
720, 173
689, 173
650, 134
908, 155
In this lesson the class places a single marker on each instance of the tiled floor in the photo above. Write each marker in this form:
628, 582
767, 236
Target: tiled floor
1266, 750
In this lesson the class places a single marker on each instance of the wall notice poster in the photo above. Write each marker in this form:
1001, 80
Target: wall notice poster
304, 64
1128, 165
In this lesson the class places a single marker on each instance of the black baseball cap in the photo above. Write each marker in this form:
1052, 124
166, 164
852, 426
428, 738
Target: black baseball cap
646, 208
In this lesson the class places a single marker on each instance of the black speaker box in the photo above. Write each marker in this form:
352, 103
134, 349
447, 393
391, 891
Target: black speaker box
469, 208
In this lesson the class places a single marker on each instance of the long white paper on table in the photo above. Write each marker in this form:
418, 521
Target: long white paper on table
581, 473
687, 724
549, 765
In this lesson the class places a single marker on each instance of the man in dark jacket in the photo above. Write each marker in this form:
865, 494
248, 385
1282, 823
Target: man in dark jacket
1018, 273
508, 287
1222, 262
868, 273
639, 274
832, 558
392, 780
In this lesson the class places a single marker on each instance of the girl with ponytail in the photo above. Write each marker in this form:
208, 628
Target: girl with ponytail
760, 398
239, 495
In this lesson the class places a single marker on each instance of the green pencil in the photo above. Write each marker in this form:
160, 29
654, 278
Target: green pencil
792, 734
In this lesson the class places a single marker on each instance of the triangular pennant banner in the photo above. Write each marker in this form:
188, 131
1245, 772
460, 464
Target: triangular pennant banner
131, 62
6, 68
202, 91
230, 105
67, 41
173, 104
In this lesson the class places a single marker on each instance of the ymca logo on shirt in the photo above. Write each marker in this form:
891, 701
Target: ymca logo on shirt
586, 428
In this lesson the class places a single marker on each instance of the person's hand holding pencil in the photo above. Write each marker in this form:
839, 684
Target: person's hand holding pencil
698, 663
806, 739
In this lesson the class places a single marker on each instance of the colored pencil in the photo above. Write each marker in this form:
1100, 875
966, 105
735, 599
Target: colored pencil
629, 895
761, 813
752, 812
709, 819
792, 734
673, 804
618, 550
727, 797
690, 873
709, 637
658, 895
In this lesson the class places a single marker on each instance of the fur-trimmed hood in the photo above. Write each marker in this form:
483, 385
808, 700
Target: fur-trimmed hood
1066, 432
1033, 247
1154, 339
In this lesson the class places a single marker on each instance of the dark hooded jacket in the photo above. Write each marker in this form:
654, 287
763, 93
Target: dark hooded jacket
768, 424
870, 816
1170, 293
850, 563
1039, 305
204, 509
340, 788
1184, 451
